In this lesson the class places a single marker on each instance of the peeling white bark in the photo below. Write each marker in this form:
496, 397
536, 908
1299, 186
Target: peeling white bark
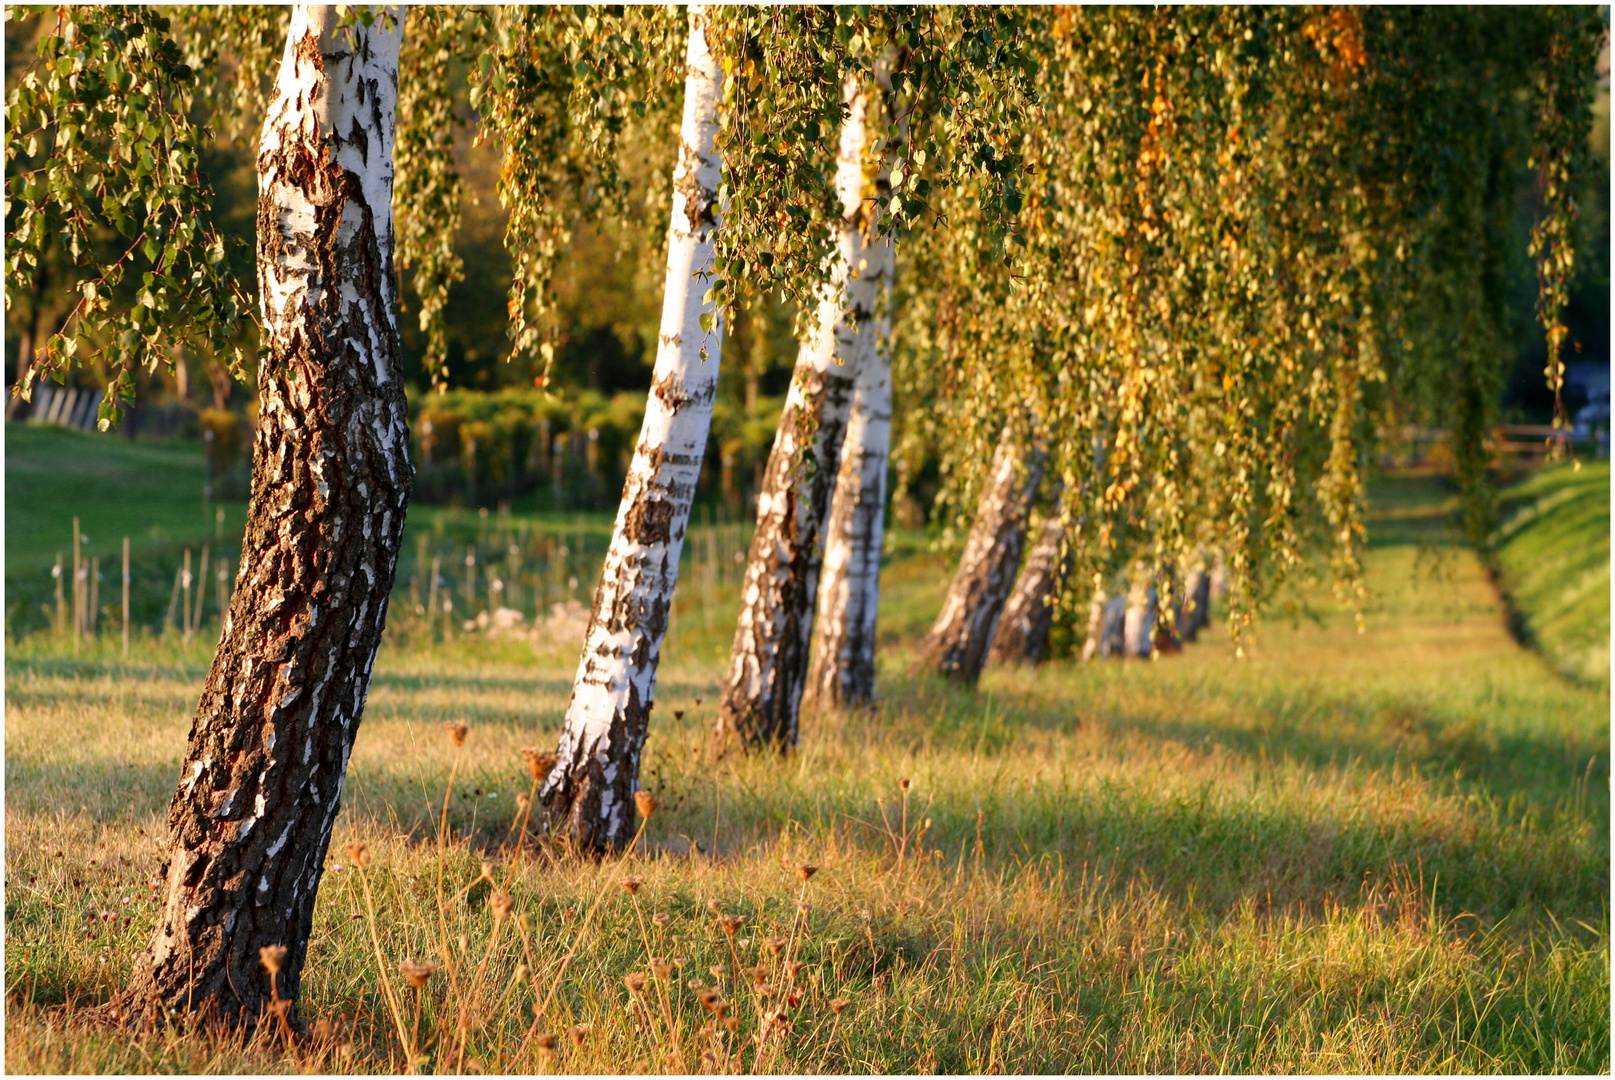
842, 672
769, 665
330, 487
590, 790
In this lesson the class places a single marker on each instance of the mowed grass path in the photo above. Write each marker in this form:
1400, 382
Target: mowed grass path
1373, 852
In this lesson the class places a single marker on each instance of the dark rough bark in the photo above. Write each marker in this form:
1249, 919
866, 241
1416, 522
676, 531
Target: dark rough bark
262, 781
768, 667
1023, 630
958, 642
842, 671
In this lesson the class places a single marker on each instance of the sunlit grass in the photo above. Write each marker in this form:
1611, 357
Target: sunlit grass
1347, 853
1553, 554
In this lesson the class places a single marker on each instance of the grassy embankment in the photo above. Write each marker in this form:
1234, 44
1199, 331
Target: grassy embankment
1553, 558
1347, 853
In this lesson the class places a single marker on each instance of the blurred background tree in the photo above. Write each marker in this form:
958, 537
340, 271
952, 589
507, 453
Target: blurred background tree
608, 299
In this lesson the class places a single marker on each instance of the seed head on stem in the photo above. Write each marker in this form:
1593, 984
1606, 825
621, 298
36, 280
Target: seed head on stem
271, 957
538, 763
417, 975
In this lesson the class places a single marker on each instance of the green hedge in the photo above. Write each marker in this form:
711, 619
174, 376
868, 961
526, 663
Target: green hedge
476, 448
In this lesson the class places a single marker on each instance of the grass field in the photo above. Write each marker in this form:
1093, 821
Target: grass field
1374, 852
1553, 557
149, 492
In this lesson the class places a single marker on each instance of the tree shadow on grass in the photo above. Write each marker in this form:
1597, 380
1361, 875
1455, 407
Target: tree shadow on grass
1215, 848
1384, 731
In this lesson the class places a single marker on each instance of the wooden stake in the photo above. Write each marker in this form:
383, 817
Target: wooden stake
201, 592
220, 583
185, 585
126, 596
61, 602
78, 588
173, 601
431, 593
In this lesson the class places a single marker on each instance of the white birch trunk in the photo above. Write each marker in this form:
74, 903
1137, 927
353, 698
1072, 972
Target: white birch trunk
842, 672
262, 781
1096, 623
590, 790
1023, 630
768, 667
963, 632
1196, 610
1139, 635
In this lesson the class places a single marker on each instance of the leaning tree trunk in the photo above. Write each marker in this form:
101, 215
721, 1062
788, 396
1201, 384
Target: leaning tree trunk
1023, 629
1196, 610
958, 642
842, 672
1139, 635
590, 791
262, 779
768, 666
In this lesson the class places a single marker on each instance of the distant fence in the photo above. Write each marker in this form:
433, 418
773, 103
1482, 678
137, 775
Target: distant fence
64, 406
1531, 442
481, 575
1510, 445
75, 407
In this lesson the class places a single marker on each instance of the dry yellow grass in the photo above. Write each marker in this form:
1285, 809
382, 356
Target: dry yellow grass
1374, 853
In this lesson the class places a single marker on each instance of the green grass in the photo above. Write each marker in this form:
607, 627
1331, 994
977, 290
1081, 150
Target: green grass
149, 492
1553, 556
1375, 852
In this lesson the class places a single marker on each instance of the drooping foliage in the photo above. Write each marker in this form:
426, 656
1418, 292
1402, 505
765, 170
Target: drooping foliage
960, 91
1253, 237
1211, 250
103, 164
567, 94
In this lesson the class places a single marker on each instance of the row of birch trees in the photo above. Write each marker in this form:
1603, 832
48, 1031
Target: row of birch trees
1165, 267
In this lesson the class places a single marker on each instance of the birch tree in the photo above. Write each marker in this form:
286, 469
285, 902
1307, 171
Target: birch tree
1023, 629
101, 138
1257, 233
957, 644
842, 670
768, 665
590, 790
952, 83
262, 779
